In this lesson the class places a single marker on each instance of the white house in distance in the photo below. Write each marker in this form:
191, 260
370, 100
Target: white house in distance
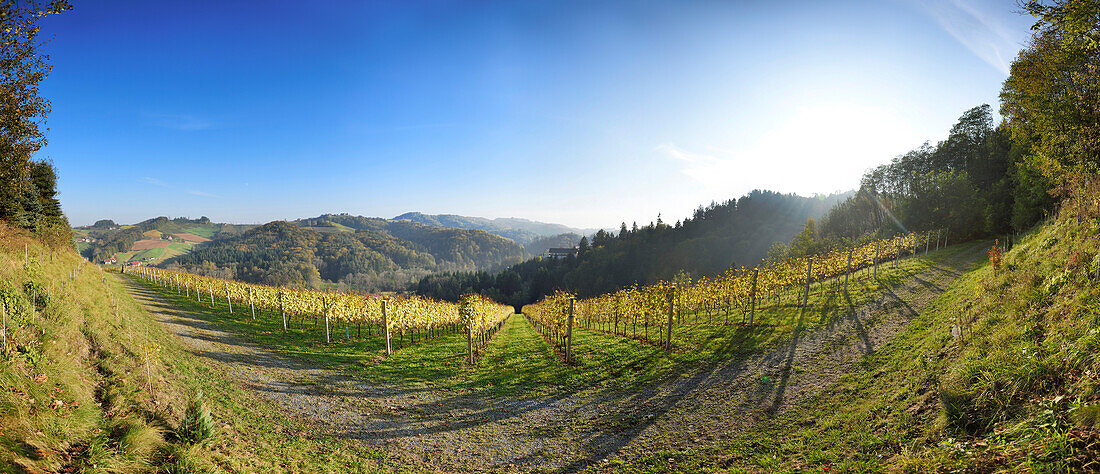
561, 252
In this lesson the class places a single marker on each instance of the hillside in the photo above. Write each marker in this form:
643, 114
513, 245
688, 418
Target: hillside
716, 237
1000, 373
152, 241
366, 254
89, 382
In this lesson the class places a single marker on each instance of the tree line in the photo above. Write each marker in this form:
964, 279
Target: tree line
28, 187
715, 237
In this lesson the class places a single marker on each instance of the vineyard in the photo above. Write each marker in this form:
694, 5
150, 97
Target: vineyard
750, 305
652, 313
394, 317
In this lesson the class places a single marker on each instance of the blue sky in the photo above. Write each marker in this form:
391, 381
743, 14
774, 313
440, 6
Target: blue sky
584, 113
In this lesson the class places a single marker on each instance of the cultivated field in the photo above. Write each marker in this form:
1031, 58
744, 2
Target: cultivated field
522, 407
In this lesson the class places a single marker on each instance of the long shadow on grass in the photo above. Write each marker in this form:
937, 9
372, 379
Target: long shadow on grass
655, 402
459, 410
619, 417
257, 354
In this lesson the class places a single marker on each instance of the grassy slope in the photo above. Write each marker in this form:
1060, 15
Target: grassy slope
90, 387
202, 231
178, 247
1000, 373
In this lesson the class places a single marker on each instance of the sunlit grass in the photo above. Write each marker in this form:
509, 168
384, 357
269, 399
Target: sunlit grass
518, 360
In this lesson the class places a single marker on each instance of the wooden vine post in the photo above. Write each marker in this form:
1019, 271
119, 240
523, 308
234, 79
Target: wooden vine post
569, 333
671, 311
251, 303
4, 327
324, 307
752, 310
282, 311
897, 255
228, 299
874, 273
806, 295
469, 340
386, 325
847, 270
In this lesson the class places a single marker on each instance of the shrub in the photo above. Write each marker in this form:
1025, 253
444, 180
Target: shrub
996, 255
197, 426
37, 293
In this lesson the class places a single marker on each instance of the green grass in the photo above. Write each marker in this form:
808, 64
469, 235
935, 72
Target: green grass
867, 419
201, 231
438, 362
91, 383
1000, 373
708, 334
518, 360
180, 247
147, 253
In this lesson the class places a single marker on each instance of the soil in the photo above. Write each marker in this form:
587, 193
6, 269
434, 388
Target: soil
191, 237
150, 244
452, 430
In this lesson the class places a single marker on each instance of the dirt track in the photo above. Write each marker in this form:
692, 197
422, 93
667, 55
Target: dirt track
451, 430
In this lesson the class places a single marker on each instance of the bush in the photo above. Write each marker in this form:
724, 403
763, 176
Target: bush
37, 293
197, 426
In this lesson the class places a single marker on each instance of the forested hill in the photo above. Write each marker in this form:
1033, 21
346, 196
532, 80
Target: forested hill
717, 236
357, 253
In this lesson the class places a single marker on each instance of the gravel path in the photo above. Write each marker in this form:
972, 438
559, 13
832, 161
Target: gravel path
454, 430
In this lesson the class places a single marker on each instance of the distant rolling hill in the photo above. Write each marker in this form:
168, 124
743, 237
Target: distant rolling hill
535, 236
353, 252
363, 253
151, 241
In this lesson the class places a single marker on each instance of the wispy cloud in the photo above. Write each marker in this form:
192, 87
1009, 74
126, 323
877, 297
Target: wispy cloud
154, 181
711, 171
978, 29
182, 122
194, 192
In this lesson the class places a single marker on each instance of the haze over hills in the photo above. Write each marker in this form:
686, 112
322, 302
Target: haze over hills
736, 232
377, 254
107, 240
522, 231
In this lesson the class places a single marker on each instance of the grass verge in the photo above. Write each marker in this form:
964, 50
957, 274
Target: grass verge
89, 382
